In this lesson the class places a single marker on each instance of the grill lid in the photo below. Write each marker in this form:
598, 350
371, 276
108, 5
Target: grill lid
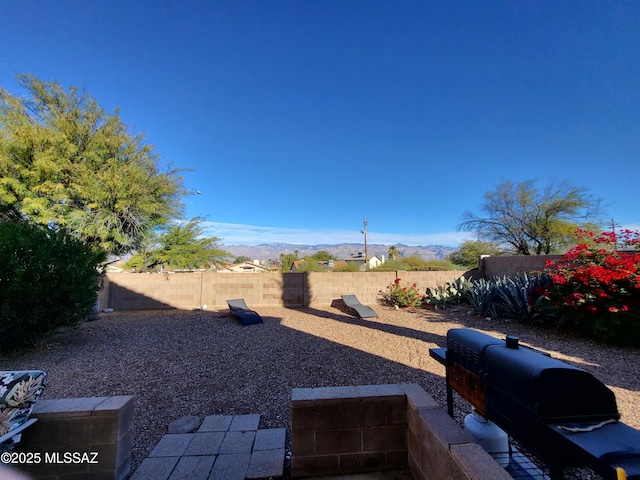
548, 388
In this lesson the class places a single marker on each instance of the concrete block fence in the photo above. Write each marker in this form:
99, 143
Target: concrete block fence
512, 264
136, 291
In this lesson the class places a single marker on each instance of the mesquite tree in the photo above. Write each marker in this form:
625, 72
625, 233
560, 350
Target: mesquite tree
532, 221
65, 162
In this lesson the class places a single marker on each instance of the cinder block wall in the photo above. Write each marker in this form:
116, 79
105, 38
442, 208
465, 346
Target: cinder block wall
513, 264
348, 430
69, 428
325, 287
136, 291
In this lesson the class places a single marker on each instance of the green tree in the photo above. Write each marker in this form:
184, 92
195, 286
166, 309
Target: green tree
531, 221
143, 259
310, 265
179, 247
48, 280
322, 256
67, 163
287, 259
470, 250
241, 259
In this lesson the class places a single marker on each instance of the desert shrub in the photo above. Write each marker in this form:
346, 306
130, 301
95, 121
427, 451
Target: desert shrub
391, 265
49, 280
397, 295
349, 267
595, 287
310, 265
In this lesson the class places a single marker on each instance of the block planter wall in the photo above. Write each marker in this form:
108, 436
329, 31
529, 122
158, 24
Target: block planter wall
342, 430
359, 429
80, 438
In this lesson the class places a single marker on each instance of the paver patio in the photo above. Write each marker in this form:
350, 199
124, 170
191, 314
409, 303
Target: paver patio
224, 447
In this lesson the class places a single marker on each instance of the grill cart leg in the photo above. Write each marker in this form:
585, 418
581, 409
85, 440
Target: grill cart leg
447, 381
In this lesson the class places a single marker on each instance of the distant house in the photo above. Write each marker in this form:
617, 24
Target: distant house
116, 267
243, 267
359, 259
333, 264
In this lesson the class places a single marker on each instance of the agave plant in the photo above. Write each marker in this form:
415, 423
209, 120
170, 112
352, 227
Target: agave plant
512, 293
481, 295
520, 295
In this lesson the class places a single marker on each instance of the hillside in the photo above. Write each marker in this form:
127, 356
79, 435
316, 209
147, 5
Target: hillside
273, 250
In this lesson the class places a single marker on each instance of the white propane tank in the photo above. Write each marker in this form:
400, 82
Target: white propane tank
490, 437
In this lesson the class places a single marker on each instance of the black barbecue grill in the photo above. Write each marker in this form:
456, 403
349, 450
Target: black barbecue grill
562, 414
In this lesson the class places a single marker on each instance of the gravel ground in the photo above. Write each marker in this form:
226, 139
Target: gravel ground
205, 362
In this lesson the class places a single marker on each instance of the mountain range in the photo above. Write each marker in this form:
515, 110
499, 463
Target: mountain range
268, 251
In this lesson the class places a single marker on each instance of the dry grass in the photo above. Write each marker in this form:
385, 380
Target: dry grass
205, 362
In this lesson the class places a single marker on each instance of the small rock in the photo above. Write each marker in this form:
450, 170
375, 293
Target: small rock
471, 312
107, 310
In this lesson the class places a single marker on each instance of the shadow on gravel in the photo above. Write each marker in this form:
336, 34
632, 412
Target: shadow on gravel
201, 363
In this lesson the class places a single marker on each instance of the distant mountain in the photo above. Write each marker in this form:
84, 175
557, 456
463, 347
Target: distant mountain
266, 251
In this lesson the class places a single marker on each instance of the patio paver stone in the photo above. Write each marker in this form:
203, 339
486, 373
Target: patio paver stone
216, 423
230, 467
270, 439
238, 442
172, 445
155, 467
245, 422
205, 443
266, 463
193, 468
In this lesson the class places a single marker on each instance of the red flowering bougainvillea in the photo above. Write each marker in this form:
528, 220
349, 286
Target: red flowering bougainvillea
595, 286
402, 296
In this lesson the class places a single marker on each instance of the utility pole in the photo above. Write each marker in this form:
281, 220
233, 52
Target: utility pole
613, 229
366, 251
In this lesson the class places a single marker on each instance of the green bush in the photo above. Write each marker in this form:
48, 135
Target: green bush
49, 280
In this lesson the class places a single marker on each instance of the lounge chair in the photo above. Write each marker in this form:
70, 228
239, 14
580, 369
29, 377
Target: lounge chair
363, 311
247, 316
19, 392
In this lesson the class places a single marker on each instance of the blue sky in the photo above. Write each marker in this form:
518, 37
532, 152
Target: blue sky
298, 118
